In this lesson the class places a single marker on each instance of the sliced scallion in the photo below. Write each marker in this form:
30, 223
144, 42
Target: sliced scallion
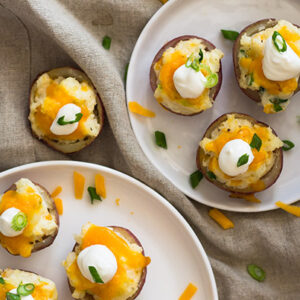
289, 145
93, 194
212, 80
256, 272
2, 281
200, 56
19, 221
230, 34
106, 42
195, 178
189, 61
211, 175
242, 160
62, 122
251, 79
11, 296
25, 289
276, 103
160, 139
279, 42
256, 142
95, 274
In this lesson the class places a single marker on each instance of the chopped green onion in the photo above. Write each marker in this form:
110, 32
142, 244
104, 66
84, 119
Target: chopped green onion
195, 65
230, 34
256, 142
200, 56
211, 175
19, 221
160, 139
212, 80
279, 42
261, 89
25, 289
256, 272
95, 275
195, 178
11, 296
2, 281
93, 194
251, 79
189, 61
106, 42
206, 68
289, 146
62, 122
276, 103
242, 160
125, 73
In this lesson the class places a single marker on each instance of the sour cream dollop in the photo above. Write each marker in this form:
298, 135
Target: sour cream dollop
280, 66
6, 222
100, 257
29, 297
230, 154
188, 82
69, 112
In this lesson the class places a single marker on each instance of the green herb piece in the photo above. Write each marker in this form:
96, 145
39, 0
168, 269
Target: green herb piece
25, 289
2, 281
125, 73
261, 90
93, 194
251, 79
11, 296
256, 272
279, 42
62, 122
230, 34
243, 160
95, 275
242, 51
19, 221
200, 56
195, 178
289, 145
276, 103
195, 65
106, 42
212, 80
206, 68
256, 142
189, 61
160, 139
211, 175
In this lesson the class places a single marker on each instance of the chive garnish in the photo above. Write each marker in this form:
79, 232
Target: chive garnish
25, 289
11, 296
19, 221
276, 103
289, 145
230, 34
212, 80
256, 142
160, 139
280, 44
62, 122
211, 175
106, 42
95, 275
251, 79
261, 89
2, 281
243, 160
93, 194
200, 56
125, 73
256, 272
195, 178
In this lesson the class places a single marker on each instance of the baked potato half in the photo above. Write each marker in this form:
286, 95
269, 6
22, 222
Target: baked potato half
38, 222
248, 53
264, 169
169, 58
55, 90
130, 288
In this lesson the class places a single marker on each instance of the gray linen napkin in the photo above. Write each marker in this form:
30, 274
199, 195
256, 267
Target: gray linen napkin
37, 35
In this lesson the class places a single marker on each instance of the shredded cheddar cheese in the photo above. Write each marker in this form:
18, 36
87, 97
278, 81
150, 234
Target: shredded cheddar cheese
118, 201
79, 182
189, 292
292, 209
248, 197
59, 206
220, 218
56, 192
136, 108
100, 185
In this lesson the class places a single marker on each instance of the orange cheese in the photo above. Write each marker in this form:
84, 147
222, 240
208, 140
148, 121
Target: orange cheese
136, 108
248, 197
56, 192
189, 292
59, 205
118, 201
220, 218
125, 256
100, 185
79, 182
292, 209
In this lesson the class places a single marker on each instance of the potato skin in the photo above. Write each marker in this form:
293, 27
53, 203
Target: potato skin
79, 75
250, 30
268, 179
153, 79
132, 239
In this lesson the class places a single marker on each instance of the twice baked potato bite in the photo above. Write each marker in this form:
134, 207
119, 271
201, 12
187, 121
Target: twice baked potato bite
239, 154
65, 110
107, 263
28, 218
17, 284
186, 75
266, 59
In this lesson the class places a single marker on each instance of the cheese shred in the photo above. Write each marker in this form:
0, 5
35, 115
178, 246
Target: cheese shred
220, 218
136, 108
248, 197
189, 292
292, 209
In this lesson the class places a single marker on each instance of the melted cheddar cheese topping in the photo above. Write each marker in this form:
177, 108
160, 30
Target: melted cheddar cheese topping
130, 260
166, 93
235, 128
250, 62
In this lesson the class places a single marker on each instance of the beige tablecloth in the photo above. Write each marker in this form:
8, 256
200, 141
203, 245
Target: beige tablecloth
37, 35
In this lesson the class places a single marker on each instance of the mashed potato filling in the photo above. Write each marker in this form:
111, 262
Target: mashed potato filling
130, 260
53, 94
45, 289
250, 62
236, 128
29, 200
166, 93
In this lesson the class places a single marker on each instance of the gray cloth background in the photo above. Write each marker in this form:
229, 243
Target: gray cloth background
37, 35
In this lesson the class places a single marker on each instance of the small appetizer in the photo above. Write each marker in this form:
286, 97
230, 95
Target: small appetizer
239, 154
23, 285
65, 110
266, 58
28, 218
107, 263
186, 75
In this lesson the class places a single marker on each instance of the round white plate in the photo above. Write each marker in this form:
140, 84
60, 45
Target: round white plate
205, 19
176, 253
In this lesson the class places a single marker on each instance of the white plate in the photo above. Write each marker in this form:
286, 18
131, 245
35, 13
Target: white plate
177, 255
205, 19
